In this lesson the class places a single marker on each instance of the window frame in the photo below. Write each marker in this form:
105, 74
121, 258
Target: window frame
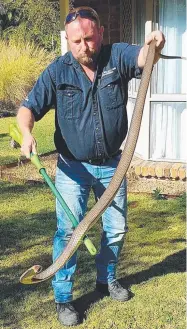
144, 140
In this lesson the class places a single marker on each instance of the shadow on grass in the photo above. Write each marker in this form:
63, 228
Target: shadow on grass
4, 135
16, 232
22, 232
15, 292
19, 234
10, 190
172, 264
6, 160
18, 295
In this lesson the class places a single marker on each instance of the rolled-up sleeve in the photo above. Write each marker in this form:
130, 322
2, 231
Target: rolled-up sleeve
42, 96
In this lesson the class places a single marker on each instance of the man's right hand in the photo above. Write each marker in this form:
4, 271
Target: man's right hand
28, 145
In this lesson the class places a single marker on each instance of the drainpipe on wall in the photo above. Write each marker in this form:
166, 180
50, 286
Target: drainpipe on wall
64, 9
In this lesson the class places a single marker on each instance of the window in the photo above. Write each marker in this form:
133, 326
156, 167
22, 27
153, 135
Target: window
139, 21
167, 104
168, 133
139, 31
163, 129
170, 75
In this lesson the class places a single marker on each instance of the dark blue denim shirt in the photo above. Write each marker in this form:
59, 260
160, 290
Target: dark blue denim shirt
91, 118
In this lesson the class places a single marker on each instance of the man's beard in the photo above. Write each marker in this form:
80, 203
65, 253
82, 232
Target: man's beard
87, 59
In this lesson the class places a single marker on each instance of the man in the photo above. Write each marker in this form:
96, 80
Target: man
88, 87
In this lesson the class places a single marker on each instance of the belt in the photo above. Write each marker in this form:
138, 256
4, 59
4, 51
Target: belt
97, 162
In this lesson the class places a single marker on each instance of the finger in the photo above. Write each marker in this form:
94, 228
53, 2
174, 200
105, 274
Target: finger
34, 150
26, 150
159, 40
159, 37
149, 39
160, 43
26, 153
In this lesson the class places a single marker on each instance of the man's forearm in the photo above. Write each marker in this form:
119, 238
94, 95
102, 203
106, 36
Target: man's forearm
143, 55
160, 41
25, 120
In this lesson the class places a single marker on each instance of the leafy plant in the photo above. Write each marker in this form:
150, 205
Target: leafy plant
157, 194
20, 65
182, 200
38, 21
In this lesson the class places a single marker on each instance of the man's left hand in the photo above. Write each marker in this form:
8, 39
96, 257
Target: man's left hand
159, 37
160, 42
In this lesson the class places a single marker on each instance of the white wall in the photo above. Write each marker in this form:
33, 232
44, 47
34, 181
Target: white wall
64, 9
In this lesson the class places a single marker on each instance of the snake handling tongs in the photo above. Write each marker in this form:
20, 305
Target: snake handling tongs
17, 137
36, 274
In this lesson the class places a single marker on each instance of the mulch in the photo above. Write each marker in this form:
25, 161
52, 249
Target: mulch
24, 171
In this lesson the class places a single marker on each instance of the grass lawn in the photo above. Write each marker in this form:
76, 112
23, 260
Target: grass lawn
152, 264
43, 132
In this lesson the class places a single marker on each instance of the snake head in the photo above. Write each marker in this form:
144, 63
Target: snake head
28, 277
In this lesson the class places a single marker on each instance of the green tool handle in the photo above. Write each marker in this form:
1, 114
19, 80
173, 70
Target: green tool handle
16, 135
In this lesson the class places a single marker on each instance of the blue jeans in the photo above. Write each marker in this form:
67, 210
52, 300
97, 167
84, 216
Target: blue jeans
74, 181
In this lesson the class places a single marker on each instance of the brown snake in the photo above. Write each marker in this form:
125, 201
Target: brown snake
35, 273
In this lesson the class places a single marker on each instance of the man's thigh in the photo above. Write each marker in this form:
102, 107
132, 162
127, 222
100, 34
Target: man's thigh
115, 216
73, 183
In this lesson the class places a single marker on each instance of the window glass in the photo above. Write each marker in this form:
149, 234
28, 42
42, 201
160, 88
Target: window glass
168, 133
139, 22
139, 30
169, 75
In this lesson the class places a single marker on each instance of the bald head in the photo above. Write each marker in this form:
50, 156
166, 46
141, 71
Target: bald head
79, 23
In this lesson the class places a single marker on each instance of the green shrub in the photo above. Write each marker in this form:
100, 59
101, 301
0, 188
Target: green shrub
157, 195
20, 65
31, 20
182, 200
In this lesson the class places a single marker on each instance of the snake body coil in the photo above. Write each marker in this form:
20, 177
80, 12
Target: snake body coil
35, 273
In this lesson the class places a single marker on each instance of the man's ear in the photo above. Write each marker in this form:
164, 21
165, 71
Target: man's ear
101, 31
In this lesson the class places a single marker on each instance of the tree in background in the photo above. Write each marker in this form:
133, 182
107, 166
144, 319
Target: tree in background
31, 20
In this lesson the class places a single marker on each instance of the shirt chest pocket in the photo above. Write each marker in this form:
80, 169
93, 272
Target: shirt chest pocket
69, 102
111, 91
